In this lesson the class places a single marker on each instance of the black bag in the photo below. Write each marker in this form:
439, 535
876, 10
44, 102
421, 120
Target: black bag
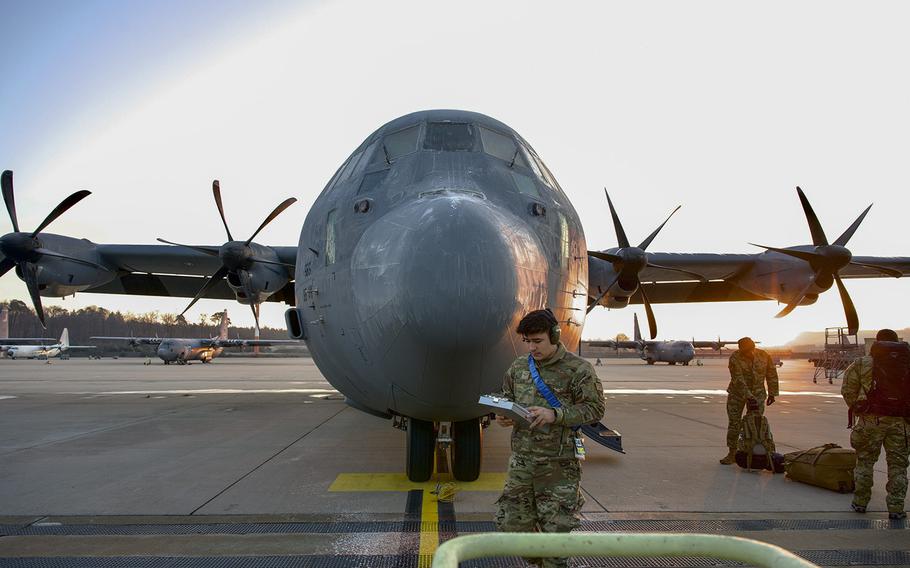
760, 461
890, 393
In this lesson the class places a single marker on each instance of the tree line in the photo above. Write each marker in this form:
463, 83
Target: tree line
91, 321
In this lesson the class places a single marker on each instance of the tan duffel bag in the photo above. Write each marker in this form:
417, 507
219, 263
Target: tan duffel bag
829, 466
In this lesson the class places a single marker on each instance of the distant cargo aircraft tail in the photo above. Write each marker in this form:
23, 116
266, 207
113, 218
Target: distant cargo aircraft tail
65, 337
637, 329
223, 334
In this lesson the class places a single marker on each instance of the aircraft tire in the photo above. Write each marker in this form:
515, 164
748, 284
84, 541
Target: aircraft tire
421, 450
672, 362
650, 361
467, 449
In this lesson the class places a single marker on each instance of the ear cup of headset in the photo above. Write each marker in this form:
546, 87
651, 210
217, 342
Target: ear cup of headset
554, 334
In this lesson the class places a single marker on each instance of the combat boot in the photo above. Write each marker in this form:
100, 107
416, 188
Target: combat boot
729, 458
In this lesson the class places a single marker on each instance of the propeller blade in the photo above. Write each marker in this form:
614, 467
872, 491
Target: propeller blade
6, 180
799, 298
62, 208
644, 244
882, 269
800, 254
46, 252
254, 307
652, 322
818, 234
842, 240
212, 281
272, 262
30, 274
605, 256
849, 308
277, 211
620, 233
216, 190
6, 265
690, 273
203, 250
593, 304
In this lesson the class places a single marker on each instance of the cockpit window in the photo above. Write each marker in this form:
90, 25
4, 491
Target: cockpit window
500, 146
401, 143
449, 137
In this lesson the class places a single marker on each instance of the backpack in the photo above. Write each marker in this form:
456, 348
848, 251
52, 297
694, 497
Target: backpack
756, 444
890, 392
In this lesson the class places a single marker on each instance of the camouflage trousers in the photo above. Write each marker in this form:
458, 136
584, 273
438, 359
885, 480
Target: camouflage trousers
870, 434
540, 496
735, 405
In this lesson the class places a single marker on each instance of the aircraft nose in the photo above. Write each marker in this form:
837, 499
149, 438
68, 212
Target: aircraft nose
456, 268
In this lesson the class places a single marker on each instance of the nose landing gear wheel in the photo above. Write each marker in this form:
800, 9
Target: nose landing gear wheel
467, 446
421, 450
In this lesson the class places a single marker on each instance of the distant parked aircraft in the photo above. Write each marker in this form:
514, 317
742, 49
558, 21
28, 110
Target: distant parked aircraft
44, 351
671, 352
183, 350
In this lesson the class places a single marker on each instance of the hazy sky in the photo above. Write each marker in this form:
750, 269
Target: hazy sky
723, 107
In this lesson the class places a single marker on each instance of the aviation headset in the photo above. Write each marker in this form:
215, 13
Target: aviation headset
554, 331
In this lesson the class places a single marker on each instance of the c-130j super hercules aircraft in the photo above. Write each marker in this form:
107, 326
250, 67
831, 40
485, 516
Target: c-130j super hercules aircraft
418, 259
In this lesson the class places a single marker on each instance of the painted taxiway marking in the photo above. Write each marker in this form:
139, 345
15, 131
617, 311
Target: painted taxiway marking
716, 392
324, 392
420, 501
400, 482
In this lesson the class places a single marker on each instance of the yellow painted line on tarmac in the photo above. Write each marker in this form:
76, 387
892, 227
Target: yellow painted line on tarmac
429, 539
400, 482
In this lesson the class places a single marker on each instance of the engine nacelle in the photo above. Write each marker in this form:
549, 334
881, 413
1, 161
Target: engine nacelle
783, 279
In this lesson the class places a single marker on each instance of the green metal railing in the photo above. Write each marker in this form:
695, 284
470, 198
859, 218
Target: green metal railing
536, 545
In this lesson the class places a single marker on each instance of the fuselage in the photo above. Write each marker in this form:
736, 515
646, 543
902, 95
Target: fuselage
185, 350
33, 351
668, 352
418, 259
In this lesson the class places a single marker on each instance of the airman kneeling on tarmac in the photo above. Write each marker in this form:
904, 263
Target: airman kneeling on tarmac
750, 369
877, 390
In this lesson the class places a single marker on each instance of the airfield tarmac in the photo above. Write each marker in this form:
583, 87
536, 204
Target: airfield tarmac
260, 463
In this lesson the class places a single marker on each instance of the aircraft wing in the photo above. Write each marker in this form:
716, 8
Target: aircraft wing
712, 344
730, 277
616, 344
132, 340
82, 347
163, 270
27, 340
255, 342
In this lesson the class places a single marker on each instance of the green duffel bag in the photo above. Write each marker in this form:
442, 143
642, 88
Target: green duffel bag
829, 466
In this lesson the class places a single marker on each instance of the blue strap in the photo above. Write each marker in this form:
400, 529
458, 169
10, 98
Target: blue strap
542, 387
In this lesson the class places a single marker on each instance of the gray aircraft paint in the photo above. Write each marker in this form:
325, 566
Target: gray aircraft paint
416, 314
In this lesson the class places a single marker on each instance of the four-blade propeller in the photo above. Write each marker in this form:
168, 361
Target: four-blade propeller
25, 249
826, 261
629, 261
237, 257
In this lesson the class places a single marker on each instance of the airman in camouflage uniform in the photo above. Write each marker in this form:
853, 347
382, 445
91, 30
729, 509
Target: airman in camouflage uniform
542, 485
870, 433
750, 369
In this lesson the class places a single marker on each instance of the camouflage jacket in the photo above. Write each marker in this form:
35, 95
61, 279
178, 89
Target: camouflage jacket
857, 381
748, 378
575, 384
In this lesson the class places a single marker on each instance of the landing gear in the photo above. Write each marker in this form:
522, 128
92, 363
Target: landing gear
685, 363
672, 362
421, 450
467, 449
650, 361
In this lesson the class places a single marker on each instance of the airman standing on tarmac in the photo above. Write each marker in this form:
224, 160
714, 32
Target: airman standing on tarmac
750, 369
877, 390
542, 485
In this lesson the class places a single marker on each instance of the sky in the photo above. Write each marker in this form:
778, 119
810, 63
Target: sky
721, 107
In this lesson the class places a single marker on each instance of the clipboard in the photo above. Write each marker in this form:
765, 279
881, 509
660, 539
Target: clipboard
505, 407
